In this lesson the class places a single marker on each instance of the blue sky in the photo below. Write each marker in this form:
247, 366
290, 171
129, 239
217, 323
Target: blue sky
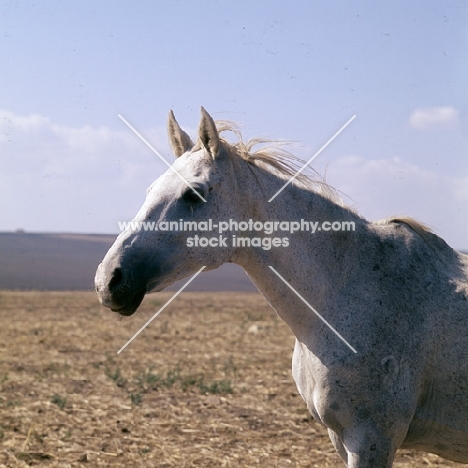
295, 70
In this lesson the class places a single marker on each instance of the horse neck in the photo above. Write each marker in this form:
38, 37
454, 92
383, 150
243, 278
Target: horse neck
312, 263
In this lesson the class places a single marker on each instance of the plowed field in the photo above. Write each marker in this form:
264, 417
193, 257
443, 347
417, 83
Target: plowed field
208, 383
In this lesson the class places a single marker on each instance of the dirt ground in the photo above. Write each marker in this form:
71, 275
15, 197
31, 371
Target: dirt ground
208, 383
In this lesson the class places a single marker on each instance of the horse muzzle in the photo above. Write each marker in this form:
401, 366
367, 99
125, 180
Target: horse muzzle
117, 292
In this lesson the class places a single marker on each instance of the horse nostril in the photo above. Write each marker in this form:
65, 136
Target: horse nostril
117, 277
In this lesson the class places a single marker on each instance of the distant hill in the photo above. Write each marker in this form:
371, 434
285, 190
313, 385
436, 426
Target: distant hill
58, 262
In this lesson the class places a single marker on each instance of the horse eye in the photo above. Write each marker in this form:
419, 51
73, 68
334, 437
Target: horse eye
191, 197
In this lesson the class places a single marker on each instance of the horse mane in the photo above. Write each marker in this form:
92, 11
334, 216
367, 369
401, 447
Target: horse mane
274, 158
271, 156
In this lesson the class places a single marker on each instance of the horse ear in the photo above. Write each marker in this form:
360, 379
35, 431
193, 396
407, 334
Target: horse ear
208, 133
180, 141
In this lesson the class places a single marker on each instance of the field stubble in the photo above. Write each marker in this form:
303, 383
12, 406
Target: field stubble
208, 383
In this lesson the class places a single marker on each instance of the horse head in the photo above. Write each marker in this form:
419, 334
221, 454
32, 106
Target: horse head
154, 252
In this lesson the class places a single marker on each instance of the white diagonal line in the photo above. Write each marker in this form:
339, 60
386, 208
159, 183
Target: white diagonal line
161, 309
159, 155
313, 310
312, 158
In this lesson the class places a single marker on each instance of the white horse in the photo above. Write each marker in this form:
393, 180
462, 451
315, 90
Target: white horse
392, 288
